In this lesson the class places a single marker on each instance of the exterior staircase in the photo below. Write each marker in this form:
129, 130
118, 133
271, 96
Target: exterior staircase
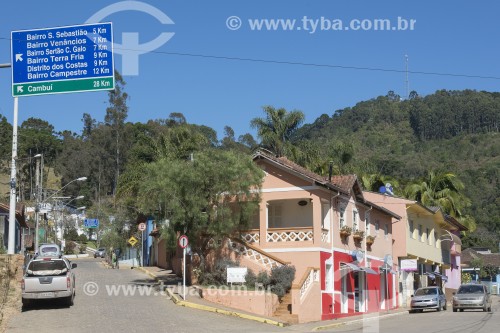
284, 311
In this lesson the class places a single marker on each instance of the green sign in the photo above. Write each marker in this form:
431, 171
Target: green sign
55, 87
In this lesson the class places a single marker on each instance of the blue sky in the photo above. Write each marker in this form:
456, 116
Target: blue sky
457, 37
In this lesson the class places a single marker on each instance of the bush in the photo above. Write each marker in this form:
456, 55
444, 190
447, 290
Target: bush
250, 279
70, 247
83, 248
83, 238
217, 275
264, 279
281, 279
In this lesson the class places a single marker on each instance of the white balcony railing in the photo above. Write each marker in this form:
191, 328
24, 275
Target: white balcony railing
290, 235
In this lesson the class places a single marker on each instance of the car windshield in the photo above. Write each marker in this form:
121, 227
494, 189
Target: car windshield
100, 250
472, 289
426, 291
47, 267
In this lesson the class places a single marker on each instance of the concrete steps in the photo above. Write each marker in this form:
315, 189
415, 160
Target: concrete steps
284, 311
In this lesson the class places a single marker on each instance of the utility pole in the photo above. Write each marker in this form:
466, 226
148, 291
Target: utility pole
12, 205
37, 199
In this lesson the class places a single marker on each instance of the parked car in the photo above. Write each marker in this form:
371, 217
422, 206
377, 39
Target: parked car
48, 278
472, 296
49, 250
100, 252
428, 298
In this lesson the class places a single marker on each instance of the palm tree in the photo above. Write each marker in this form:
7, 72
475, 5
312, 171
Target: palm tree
444, 190
276, 128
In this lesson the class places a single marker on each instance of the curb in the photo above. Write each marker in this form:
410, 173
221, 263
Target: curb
355, 321
180, 302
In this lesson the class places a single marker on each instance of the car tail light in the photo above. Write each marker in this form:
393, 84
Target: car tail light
68, 281
22, 284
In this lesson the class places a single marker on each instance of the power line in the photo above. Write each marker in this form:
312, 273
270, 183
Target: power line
295, 63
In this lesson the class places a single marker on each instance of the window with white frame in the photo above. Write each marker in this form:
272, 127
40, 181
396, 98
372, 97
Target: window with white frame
412, 229
355, 220
367, 225
342, 218
420, 233
275, 213
386, 230
377, 227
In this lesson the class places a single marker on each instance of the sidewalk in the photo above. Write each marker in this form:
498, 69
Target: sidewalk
174, 290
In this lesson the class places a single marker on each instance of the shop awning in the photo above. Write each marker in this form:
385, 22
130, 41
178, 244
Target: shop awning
368, 270
356, 268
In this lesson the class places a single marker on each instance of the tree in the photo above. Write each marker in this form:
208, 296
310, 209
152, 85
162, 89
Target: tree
208, 198
442, 189
276, 129
116, 114
490, 271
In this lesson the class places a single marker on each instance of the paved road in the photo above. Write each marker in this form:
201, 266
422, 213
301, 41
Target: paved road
116, 311
121, 313
469, 321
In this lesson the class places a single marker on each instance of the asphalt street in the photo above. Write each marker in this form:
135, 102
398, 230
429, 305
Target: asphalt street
110, 310
127, 300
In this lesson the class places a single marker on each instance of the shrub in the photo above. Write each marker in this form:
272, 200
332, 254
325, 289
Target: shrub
250, 279
217, 275
70, 247
281, 279
264, 279
83, 248
83, 238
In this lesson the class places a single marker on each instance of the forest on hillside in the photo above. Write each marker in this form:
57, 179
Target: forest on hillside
385, 139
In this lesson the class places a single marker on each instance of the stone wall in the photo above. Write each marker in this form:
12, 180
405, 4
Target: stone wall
11, 274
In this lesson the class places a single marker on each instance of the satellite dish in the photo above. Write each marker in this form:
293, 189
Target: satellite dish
358, 255
388, 260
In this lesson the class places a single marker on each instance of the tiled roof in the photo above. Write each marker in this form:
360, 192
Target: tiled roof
488, 259
345, 182
454, 221
295, 168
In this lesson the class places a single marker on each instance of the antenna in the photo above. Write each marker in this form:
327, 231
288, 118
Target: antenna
407, 81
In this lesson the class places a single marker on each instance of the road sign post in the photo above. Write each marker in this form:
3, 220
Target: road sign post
183, 243
62, 59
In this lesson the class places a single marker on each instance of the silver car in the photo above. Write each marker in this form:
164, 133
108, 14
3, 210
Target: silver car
472, 296
428, 298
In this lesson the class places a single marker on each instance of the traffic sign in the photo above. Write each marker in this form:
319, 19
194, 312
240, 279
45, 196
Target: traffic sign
183, 241
132, 241
62, 59
91, 223
142, 226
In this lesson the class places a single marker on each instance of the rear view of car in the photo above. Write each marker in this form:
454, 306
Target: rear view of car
100, 253
428, 298
472, 296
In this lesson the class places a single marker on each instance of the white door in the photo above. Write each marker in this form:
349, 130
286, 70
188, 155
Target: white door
343, 295
393, 290
382, 290
362, 291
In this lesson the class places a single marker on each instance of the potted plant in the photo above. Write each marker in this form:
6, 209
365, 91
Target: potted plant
370, 240
345, 231
358, 235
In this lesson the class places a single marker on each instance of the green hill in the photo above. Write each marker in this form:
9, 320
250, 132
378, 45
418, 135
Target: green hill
455, 131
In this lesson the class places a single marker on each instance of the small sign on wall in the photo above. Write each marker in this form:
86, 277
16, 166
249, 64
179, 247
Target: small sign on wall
409, 265
236, 274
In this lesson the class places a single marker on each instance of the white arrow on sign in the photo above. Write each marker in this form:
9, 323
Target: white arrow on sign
19, 57
19, 89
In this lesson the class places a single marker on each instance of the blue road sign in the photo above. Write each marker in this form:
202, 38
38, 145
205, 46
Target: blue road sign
91, 223
62, 59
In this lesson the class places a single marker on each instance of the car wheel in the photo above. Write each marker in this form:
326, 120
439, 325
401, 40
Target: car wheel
26, 303
461, 310
445, 306
69, 301
439, 307
454, 309
421, 310
485, 308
